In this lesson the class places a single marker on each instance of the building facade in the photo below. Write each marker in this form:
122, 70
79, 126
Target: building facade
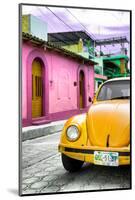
80, 42
56, 83
59, 78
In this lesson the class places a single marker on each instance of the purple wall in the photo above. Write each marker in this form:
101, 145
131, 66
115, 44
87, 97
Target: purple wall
61, 96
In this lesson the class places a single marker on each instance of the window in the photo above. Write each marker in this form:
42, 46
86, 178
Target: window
38, 85
114, 90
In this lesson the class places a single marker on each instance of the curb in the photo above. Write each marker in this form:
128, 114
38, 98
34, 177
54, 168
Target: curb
45, 130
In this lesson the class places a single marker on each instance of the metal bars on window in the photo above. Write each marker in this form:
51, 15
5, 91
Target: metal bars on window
36, 86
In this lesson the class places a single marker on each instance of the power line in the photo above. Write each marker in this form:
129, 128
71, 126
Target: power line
60, 19
81, 24
64, 22
51, 27
87, 31
94, 38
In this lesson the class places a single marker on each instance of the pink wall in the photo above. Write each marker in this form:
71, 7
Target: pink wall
62, 92
61, 71
25, 52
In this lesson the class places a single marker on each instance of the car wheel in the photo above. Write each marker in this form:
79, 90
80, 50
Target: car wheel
70, 164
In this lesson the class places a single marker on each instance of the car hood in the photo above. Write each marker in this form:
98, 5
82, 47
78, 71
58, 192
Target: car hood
108, 123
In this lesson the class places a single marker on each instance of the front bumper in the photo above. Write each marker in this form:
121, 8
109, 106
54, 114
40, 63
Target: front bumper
86, 153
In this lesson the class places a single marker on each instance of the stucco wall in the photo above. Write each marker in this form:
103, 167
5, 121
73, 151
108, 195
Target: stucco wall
25, 52
62, 72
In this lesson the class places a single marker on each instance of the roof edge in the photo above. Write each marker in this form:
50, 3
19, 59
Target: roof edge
38, 41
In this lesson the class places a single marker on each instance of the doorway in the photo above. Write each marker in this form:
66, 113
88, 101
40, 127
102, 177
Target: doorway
37, 89
81, 90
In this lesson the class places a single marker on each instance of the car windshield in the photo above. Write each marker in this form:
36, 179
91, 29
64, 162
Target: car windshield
114, 90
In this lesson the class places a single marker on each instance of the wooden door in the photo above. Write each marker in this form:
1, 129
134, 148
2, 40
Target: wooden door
37, 86
81, 89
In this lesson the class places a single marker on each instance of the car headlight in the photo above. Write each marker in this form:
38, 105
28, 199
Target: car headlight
72, 133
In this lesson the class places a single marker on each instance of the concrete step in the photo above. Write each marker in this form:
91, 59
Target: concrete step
41, 121
32, 132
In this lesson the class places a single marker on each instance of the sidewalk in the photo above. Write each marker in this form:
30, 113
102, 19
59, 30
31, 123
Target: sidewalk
32, 132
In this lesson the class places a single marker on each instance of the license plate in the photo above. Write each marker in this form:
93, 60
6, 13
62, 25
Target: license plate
106, 158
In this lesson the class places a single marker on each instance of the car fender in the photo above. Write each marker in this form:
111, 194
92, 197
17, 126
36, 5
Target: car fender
79, 121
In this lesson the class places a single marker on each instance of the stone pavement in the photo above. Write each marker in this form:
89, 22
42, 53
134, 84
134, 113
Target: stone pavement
43, 172
49, 176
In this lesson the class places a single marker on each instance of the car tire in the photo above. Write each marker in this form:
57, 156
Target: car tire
70, 164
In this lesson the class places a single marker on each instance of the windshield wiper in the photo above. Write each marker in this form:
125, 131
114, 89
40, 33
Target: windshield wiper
121, 97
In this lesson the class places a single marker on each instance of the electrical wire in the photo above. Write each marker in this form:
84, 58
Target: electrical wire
60, 19
91, 34
86, 30
76, 33
51, 27
94, 38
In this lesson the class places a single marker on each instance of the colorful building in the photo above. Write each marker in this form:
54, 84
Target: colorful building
110, 67
80, 42
116, 66
56, 83
99, 72
60, 72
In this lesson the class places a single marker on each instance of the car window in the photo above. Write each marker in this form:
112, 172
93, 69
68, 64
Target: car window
114, 90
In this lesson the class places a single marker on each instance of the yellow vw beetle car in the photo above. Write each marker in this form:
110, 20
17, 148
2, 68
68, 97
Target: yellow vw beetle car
102, 135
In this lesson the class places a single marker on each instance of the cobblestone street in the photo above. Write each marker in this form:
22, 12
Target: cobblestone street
42, 171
